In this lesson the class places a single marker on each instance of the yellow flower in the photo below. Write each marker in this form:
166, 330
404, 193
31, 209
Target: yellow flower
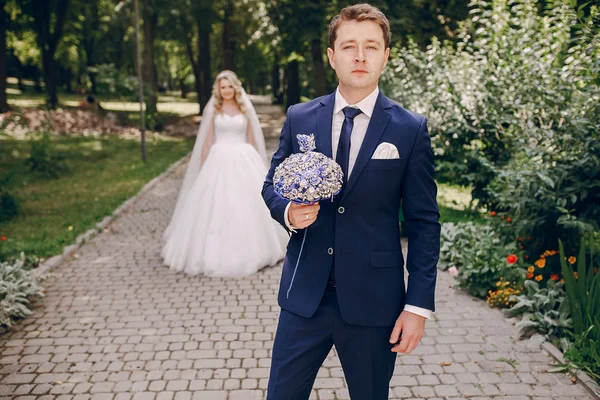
531, 269
541, 263
539, 278
572, 260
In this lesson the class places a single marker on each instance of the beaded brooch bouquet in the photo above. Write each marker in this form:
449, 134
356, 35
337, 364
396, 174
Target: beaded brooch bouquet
309, 176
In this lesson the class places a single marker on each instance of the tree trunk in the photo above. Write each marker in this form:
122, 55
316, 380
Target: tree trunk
319, 68
183, 88
190, 53
45, 15
50, 79
293, 84
3, 58
19, 73
227, 36
93, 81
37, 85
276, 82
149, 17
89, 39
204, 60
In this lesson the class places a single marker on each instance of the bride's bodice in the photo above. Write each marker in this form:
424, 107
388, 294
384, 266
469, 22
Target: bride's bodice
230, 129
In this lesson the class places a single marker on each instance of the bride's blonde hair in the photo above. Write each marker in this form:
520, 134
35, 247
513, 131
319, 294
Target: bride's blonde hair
237, 85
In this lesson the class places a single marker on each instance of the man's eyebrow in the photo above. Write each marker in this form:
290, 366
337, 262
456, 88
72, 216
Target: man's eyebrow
353, 41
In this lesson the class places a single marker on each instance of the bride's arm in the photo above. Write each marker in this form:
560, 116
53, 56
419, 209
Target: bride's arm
250, 136
207, 142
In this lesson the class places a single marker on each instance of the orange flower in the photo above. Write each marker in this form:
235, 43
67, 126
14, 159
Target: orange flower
576, 275
531, 269
554, 277
541, 263
511, 259
520, 239
508, 219
502, 216
539, 278
3, 238
529, 275
526, 257
572, 260
493, 213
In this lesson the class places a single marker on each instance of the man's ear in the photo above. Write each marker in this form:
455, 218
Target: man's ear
330, 57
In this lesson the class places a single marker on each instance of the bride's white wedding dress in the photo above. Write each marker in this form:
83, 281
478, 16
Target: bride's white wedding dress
224, 228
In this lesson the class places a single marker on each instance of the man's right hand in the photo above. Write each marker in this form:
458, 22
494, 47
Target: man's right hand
303, 215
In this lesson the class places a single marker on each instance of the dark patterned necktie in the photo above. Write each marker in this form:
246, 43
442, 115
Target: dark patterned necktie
342, 155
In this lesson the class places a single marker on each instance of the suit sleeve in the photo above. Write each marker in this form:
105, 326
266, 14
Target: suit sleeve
421, 215
274, 202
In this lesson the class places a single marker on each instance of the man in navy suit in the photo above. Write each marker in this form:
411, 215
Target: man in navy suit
348, 289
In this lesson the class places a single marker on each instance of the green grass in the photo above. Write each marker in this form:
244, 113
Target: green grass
455, 204
103, 173
168, 103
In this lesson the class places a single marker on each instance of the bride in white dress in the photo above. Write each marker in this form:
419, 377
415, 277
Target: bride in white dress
221, 226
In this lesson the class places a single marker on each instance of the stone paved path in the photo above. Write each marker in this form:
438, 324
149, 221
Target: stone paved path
117, 324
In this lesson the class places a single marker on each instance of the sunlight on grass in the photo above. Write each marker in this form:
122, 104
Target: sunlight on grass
455, 197
179, 108
103, 172
454, 203
29, 102
167, 102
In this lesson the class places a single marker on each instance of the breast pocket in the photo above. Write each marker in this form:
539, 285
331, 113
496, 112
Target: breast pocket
379, 164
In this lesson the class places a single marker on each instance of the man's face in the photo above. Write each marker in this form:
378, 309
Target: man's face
359, 54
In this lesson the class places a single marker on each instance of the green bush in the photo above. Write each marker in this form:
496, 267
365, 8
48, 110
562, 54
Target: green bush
583, 295
543, 310
17, 288
514, 112
44, 161
112, 82
8, 206
480, 256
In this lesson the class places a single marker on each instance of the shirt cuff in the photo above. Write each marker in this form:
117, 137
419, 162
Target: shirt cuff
286, 219
423, 312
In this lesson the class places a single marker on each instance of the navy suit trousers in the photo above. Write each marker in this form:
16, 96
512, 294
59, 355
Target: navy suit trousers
302, 344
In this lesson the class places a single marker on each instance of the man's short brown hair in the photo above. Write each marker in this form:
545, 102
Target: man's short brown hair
360, 12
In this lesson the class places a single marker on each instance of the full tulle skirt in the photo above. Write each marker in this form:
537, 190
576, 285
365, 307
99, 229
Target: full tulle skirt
224, 228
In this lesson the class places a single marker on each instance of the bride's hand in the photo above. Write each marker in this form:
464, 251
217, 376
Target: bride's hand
302, 215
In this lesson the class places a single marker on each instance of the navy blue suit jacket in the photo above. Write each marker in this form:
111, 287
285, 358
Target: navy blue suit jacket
362, 229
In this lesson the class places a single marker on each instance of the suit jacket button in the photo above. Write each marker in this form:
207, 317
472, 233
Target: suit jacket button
330, 251
341, 210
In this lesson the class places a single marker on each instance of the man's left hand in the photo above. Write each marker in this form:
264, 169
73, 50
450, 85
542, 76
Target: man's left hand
409, 329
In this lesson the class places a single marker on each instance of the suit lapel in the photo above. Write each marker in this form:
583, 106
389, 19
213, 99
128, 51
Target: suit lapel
324, 120
379, 121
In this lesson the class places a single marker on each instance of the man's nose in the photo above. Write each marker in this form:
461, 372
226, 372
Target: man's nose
360, 55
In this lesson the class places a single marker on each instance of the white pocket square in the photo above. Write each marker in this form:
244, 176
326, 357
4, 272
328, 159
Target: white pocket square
385, 151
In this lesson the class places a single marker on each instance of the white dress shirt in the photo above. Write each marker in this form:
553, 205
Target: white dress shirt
361, 123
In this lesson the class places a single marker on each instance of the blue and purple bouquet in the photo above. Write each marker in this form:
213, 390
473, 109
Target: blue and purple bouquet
309, 176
